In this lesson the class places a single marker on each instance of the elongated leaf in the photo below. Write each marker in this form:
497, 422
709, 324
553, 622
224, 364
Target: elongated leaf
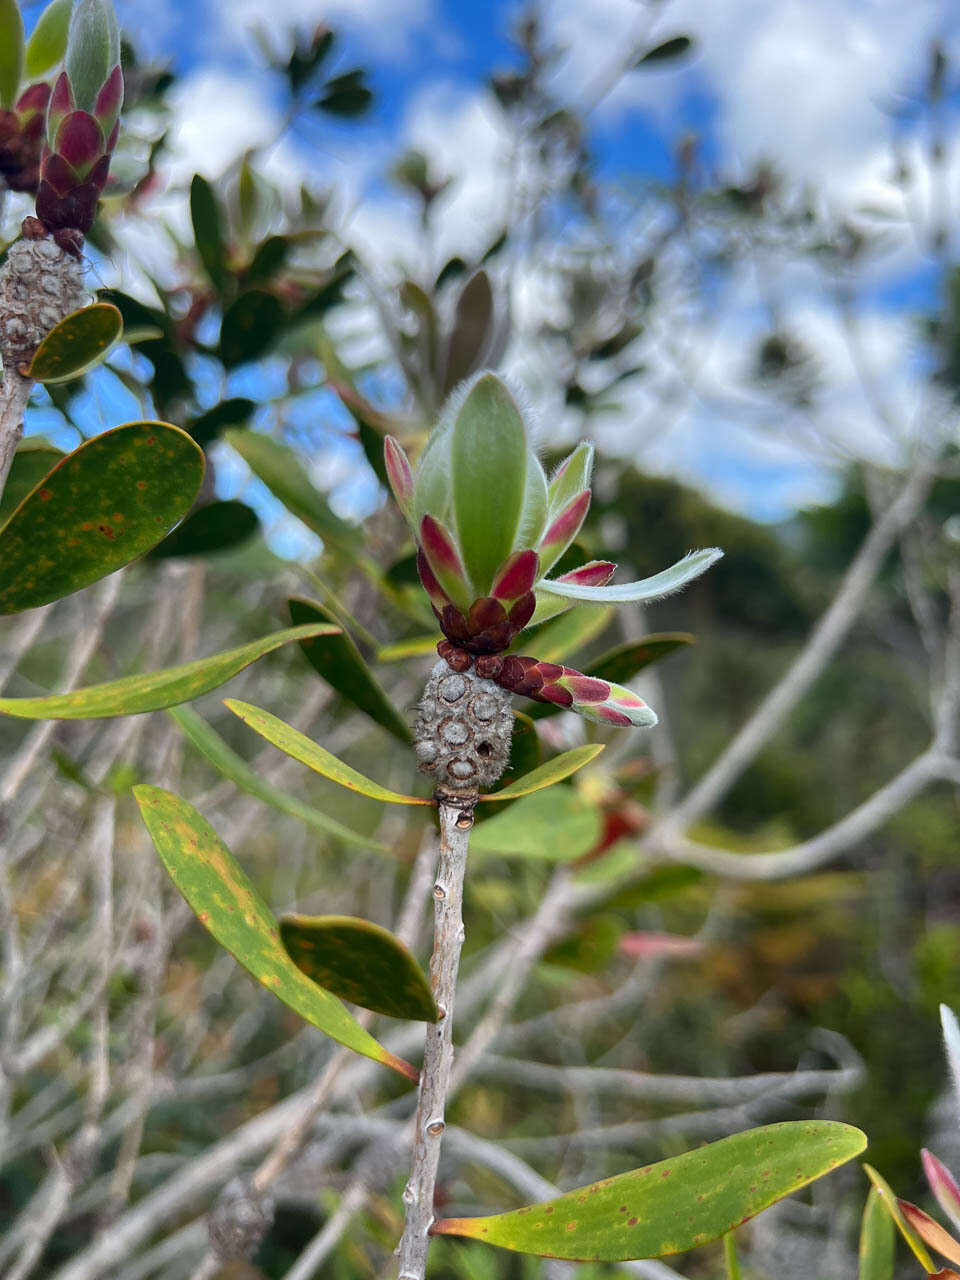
943, 1184
31, 463
228, 413
218, 526
338, 660
361, 962
415, 647
876, 1240
226, 903
300, 747
571, 631
154, 690
281, 471
675, 47
209, 743
251, 326
80, 342
489, 468
675, 1205
472, 326
48, 41
11, 52
100, 507
730, 1257
208, 230
655, 588
555, 770
555, 826
930, 1231
525, 749
889, 1200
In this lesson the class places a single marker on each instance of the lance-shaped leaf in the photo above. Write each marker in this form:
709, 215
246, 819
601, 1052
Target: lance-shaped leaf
555, 826
48, 41
471, 332
155, 690
11, 52
361, 962
489, 468
730, 1257
228, 413
415, 647
930, 1231
533, 513
943, 1185
338, 660
575, 628
570, 478
596, 573
676, 1204
654, 588
525, 749
893, 1209
226, 903
299, 747
562, 530
100, 507
77, 344
210, 745
876, 1249
555, 770
281, 471
219, 526
400, 475
208, 230
445, 564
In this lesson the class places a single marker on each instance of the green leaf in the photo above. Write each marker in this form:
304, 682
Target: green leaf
210, 745
48, 43
228, 413
100, 507
208, 231
11, 52
470, 335
591, 948
280, 469
570, 478
346, 95
361, 962
675, 1205
226, 903
889, 1201
555, 770
558, 826
315, 757
154, 690
489, 468
622, 663
525, 749
876, 1240
730, 1257
415, 647
338, 660
571, 631
31, 463
251, 326
77, 344
215, 527
676, 47
654, 588
93, 49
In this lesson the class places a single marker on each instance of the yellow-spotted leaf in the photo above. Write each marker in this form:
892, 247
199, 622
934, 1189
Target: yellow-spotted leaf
80, 342
300, 747
359, 961
100, 507
876, 1240
154, 690
226, 903
209, 743
555, 770
676, 1204
31, 463
338, 660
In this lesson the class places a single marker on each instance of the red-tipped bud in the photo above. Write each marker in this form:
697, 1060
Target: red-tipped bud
591, 698
516, 576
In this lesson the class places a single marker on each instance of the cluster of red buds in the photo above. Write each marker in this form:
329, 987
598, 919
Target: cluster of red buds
21, 138
82, 124
489, 526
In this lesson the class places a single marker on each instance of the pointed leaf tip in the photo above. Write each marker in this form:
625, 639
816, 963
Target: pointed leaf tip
646, 589
553, 771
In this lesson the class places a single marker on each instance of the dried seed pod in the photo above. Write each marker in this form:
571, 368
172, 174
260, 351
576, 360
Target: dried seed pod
463, 730
40, 285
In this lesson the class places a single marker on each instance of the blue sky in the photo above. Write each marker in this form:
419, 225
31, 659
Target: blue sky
819, 86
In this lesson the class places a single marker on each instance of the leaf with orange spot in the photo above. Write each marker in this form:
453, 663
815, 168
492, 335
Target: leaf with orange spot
100, 507
675, 1205
80, 342
226, 903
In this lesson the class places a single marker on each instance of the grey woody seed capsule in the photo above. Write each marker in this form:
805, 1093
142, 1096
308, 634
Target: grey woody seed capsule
39, 286
463, 730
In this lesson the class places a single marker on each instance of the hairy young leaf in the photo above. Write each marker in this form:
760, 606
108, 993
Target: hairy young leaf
48, 41
100, 507
154, 690
676, 1204
361, 962
299, 747
653, 588
77, 344
226, 903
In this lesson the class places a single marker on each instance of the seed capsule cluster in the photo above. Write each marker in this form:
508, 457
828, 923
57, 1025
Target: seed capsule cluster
40, 284
463, 730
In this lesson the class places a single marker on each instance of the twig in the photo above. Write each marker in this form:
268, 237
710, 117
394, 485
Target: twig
455, 825
14, 394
